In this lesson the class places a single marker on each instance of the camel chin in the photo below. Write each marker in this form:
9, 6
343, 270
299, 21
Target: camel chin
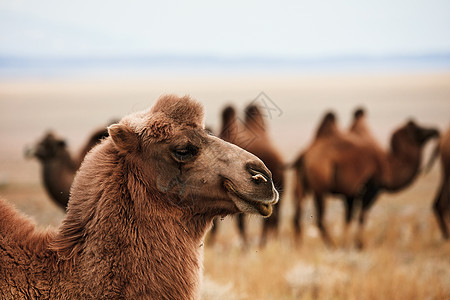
247, 204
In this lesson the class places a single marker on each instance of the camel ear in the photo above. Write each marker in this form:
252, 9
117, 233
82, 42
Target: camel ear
124, 138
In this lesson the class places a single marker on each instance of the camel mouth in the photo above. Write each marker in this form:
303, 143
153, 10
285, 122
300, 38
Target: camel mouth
246, 204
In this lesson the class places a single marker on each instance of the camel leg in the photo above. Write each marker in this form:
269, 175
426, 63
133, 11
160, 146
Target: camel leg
270, 226
297, 220
349, 205
265, 230
320, 208
439, 206
241, 227
367, 201
298, 198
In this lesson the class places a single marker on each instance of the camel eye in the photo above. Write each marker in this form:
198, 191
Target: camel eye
185, 153
209, 132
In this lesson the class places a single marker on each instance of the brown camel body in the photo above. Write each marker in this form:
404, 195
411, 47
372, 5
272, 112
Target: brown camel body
140, 206
58, 166
252, 136
441, 205
351, 165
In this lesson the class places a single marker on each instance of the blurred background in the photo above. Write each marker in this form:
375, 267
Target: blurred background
73, 66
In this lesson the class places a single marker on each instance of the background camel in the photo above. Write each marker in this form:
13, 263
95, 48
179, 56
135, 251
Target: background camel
252, 136
58, 166
441, 205
327, 128
139, 209
346, 164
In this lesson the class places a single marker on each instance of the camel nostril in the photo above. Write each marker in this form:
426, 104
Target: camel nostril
259, 178
259, 173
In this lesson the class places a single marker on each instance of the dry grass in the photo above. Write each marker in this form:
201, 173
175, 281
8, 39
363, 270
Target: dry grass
282, 271
405, 257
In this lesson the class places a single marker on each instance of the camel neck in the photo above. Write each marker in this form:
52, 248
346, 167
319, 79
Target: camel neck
58, 176
403, 168
163, 248
131, 233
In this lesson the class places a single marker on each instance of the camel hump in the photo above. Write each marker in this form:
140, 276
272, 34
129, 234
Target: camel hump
329, 117
359, 112
254, 117
228, 114
359, 125
327, 125
14, 224
228, 131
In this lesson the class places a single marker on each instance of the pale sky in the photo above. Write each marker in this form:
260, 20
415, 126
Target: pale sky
286, 29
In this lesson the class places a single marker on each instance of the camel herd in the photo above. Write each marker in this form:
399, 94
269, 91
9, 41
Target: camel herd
350, 163
144, 192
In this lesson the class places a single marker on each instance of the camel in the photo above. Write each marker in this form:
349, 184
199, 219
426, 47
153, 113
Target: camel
441, 205
326, 129
253, 137
346, 164
58, 166
139, 209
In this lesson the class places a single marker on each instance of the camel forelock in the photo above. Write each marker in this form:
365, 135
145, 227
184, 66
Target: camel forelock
180, 110
169, 114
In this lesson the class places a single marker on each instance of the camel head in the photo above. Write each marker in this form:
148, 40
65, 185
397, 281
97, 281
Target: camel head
48, 148
197, 171
411, 137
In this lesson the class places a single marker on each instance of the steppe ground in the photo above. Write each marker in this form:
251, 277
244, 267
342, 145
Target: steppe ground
405, 256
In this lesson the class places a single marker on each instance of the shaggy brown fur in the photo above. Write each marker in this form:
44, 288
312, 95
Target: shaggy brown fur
58, 166
346, 164
252, 136
441, 205
140, 206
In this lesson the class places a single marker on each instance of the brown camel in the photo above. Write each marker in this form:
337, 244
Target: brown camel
140, 206
58, 166
326, 129
348, 165
441, 205
252, 136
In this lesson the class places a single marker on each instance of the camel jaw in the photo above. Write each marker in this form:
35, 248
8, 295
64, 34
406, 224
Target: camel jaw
249, 205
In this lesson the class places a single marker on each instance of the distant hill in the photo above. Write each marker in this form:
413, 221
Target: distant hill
23, 66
